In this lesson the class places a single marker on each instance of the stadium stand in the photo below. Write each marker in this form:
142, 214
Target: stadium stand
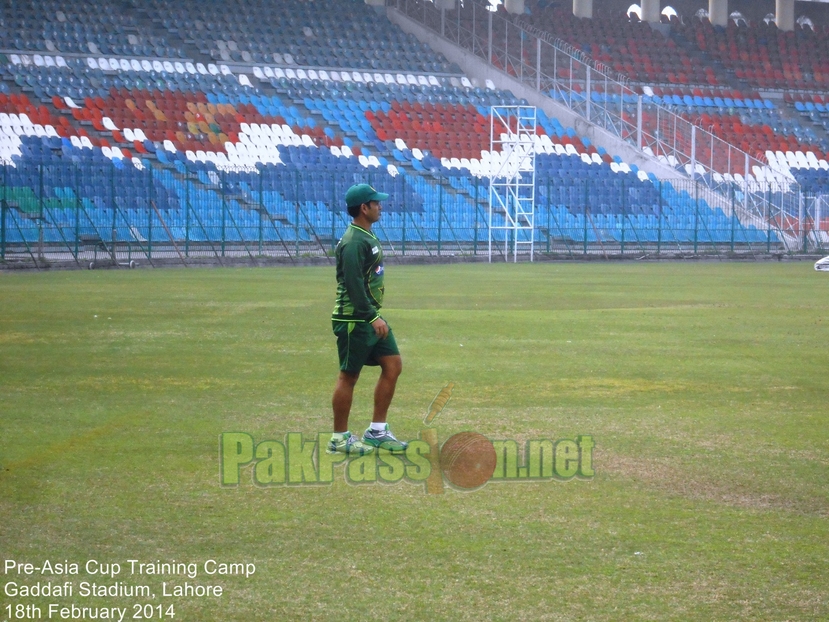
630, 47
201, 125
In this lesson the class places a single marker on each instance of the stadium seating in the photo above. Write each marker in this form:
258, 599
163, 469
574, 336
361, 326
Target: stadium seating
129, 134
763, 56
692, 68
61, 27
630, 47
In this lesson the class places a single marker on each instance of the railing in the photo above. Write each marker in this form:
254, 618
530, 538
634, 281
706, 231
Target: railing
588, 88
75, 215
605, 99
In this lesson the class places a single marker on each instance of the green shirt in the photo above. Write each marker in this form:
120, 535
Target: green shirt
359, 276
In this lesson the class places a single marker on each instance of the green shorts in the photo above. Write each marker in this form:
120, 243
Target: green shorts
359, 345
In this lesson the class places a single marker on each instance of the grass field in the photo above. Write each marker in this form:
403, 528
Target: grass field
704, 387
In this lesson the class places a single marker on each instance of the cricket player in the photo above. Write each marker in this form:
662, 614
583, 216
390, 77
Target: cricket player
363, 336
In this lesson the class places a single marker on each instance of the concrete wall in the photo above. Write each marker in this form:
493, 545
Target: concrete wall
784, 12
650, 10
718, 12
754, 10
583, 8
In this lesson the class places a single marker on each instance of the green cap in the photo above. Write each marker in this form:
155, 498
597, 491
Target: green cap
363, 193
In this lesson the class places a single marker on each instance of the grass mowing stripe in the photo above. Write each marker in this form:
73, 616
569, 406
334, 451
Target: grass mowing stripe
703, 385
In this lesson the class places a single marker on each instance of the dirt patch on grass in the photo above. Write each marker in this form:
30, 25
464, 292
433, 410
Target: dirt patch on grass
665, 476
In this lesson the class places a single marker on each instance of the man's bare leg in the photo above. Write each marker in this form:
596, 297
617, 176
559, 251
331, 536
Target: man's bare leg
341, 402
390, 369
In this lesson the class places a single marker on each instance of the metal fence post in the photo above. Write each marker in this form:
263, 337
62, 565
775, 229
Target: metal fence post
801, 220
3, 214
261, 218
767, 220
624, 205
223, 188
186, 219
475, 225
296, 206
733, 223
3, 228
440, 213
77, 213
639, 122
584, 213
693, 152
150, 217
659, 220
332, 202
404, 210
733, 212
40, 213
696, 217
114, 235
555, 71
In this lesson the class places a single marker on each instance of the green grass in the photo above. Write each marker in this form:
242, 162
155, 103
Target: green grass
704, 386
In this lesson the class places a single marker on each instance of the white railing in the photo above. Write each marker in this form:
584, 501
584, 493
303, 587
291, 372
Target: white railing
605, 98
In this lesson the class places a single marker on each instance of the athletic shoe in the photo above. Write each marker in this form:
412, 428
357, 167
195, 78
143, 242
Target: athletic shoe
350, 445
384, 439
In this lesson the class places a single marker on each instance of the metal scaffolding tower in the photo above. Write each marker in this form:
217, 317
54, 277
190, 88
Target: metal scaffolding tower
512, 181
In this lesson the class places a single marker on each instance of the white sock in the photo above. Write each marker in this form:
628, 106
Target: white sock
338, 436
378, 427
